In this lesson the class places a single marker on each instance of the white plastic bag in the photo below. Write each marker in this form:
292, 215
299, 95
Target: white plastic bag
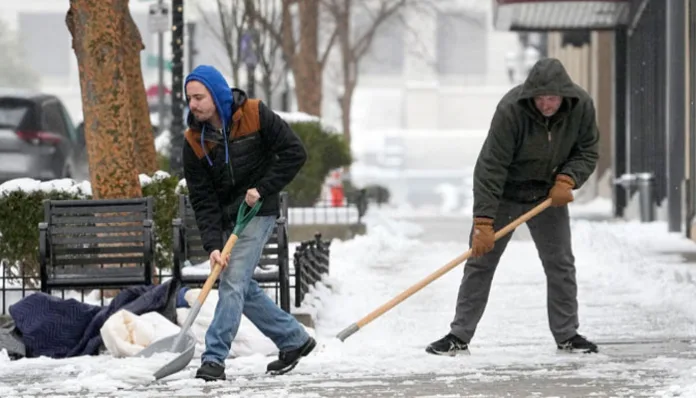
125, 334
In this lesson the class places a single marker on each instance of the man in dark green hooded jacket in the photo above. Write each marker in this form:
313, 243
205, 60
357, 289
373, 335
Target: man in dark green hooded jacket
542, 143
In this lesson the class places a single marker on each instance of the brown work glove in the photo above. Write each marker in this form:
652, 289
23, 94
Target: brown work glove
483, 239
562, 191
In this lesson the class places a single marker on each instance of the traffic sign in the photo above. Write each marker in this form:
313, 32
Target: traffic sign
158, 18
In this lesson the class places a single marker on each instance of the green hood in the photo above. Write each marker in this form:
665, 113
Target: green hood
524, 151
549, 77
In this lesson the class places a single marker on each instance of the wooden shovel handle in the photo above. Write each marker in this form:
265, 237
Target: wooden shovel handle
217, 269
450, 265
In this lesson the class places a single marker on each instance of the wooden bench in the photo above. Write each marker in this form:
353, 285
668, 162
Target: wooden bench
98, 244
272, 270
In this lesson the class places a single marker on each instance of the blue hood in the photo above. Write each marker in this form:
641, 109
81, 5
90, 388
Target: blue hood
213, 80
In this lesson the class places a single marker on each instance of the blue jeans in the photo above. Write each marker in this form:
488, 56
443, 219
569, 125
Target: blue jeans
239, 293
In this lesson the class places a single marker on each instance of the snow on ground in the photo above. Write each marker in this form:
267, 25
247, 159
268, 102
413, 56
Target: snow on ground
633, 286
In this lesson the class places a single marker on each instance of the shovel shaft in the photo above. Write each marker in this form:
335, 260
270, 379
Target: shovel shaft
217, 269
438, 273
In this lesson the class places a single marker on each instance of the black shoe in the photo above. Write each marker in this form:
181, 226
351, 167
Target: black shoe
211, 371
287, 360
450, 345
578, 343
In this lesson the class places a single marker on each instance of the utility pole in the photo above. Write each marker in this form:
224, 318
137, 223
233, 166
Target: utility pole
178, 100
159, 22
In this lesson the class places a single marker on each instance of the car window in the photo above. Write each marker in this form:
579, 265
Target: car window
53, 120
69, 125
12, 112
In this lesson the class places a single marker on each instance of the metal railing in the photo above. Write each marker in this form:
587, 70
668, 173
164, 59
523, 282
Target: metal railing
15, 284
311, 263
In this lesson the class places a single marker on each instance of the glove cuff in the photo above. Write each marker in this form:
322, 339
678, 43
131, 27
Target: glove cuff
483, 221
565, 179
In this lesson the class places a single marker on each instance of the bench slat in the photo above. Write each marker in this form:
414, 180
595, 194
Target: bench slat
78, 276
79, 229
57, 262
91, 220
97, 239
259, 276
73, 250
98, 209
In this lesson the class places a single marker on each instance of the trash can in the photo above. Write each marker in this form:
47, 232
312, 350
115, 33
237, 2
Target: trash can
646, 191
644, 183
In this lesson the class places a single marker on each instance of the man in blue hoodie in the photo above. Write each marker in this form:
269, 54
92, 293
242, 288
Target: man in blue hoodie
238, 150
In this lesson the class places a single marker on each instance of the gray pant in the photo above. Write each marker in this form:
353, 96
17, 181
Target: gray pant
550, 231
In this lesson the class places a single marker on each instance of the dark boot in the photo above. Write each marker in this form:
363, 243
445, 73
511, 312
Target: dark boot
449, 345
287, 360
578, 343
211, 371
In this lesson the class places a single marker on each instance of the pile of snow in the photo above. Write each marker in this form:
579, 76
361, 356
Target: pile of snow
597, 208
70, 186
302, 117
30, 185
163, 143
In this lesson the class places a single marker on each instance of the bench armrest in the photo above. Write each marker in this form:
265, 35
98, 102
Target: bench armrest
149, 244
178, 247
44, 254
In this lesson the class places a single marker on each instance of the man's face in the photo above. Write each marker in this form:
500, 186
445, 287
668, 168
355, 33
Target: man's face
548, 104
200, 101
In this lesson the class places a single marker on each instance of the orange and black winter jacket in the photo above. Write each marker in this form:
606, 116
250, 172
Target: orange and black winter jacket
264, 153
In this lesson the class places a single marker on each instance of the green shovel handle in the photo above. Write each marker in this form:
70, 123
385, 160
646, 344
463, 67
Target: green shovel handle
244, 219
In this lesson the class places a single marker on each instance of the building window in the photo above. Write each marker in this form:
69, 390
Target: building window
386, 54
462, 43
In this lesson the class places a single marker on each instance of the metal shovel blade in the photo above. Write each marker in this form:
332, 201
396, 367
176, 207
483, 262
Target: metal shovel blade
184, 349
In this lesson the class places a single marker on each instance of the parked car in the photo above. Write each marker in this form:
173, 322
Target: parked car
38, 138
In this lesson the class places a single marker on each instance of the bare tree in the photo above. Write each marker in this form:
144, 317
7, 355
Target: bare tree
231, 14
354, 45
300, 48
269, 50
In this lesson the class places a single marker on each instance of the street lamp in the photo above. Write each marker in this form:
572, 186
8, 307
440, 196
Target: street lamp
247, 47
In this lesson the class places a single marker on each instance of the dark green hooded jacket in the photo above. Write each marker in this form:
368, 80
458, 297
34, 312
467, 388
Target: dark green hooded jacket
524, 151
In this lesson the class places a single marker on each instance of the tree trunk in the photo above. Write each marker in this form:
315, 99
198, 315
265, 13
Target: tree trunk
97, 28
307, 66
141, 126
268, 88
348, 62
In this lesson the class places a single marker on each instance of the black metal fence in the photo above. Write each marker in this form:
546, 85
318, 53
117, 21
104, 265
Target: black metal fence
311, 263
16, 283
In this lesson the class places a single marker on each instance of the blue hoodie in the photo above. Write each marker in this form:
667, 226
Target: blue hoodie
213, 80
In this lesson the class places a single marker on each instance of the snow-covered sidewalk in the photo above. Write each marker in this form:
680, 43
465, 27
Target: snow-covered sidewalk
633, 287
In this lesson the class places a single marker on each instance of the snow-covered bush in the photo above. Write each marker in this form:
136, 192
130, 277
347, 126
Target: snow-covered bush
21, 211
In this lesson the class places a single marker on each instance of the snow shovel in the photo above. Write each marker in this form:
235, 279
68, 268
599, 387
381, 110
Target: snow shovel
184, 343
350, 330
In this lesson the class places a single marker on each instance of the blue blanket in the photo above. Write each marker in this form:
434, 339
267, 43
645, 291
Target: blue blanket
57, 328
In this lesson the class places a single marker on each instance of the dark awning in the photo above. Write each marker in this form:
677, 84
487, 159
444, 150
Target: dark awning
545, 15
